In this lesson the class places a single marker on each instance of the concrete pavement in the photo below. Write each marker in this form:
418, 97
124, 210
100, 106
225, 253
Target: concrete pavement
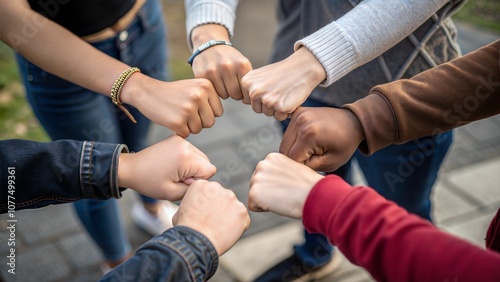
52, 245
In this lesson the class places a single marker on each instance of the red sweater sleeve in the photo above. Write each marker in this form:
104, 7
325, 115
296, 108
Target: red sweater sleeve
390, 243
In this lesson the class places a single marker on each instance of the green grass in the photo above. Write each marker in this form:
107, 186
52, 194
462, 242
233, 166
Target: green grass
180, 69
483, 13
8, 72
16, 117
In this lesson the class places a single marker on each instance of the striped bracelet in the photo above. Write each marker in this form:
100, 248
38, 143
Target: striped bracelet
205, 46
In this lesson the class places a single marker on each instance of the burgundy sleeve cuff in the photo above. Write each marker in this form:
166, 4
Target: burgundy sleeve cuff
324, 197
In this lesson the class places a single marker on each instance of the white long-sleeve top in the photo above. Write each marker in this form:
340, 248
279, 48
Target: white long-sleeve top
362, 34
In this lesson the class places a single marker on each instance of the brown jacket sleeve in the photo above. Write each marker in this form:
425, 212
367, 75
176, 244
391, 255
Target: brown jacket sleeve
450, 95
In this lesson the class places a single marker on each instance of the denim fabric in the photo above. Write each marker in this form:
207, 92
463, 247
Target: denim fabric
57, 172
403, 173
50, 173
179, 254
68, 111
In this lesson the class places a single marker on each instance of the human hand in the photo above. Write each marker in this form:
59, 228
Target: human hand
280, 88
322, 138
223, 65
162, 170
215, 212
281, 185
184, 106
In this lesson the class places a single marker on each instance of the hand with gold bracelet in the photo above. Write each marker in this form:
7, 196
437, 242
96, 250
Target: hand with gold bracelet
184, 106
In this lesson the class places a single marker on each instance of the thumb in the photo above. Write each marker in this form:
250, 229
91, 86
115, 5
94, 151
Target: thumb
254, 206
199, 168
189, 180
322, 163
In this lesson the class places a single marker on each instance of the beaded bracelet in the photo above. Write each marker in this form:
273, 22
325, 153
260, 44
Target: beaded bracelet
117, 87
205, 46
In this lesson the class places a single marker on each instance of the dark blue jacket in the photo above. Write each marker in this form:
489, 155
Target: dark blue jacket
34, 175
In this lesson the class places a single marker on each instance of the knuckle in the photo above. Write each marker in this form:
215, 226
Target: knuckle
252, 195
226, 66
210, 71
188, 108
236, 95
245, 64
273, 156
203, 84
302, 119
309, 131
214, 185
184, 153
244, 80
253, 93
268, 101
223, 94
255, 108
183, 132
230, 194
242, 210
209, 123
280, 116
261, 165
218, 112
178, 122
212, 169
197, 96
196, 130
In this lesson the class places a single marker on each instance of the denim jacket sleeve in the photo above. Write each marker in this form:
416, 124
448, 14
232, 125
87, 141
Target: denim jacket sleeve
62, 171
179, 254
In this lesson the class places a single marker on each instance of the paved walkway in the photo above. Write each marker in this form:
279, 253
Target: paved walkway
52, 246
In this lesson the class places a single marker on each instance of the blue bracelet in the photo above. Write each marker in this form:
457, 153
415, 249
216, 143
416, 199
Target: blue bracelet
205, 46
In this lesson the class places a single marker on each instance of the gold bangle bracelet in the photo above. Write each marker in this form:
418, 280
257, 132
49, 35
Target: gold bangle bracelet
117, 87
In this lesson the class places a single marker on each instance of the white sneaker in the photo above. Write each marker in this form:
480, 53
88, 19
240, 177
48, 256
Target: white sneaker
154, 224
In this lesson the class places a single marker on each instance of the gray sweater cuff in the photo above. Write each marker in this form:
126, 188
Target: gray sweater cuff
334, 51
210, 13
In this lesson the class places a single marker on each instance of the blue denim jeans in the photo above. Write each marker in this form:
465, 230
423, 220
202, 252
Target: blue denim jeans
403, 173
68, 111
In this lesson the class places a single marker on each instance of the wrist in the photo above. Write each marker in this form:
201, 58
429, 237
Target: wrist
205, 46
356, 128
312, 179
314, 68
207, 32
134, 90
124, 170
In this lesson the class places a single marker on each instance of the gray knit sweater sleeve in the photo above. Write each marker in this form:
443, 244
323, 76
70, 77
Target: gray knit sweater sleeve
364, 33
199, 12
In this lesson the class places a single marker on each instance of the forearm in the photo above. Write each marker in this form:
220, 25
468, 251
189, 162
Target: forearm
377, 235
451, 95
57, 172
365, 32
203, 12
55, 49
179, 254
